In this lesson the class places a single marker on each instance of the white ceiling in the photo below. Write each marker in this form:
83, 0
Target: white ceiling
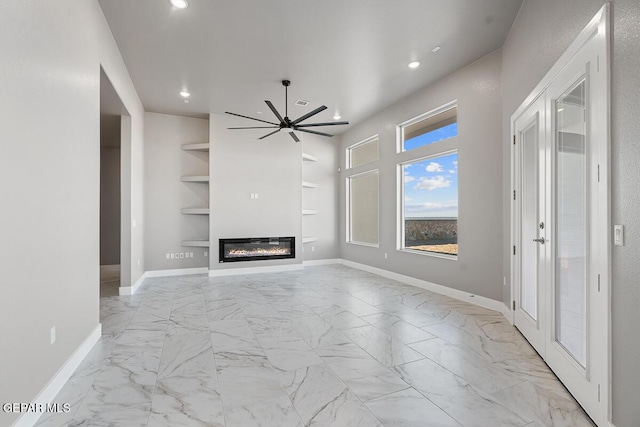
350, 55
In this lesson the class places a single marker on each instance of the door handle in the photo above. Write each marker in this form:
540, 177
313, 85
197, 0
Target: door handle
540, 240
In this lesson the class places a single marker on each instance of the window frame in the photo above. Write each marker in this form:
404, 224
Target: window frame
433, 150
422, 117
349, 226
349, 157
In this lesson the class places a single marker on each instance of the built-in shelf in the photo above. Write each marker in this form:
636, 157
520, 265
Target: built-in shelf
195, 243
309, 212
195, 178
309, 157
196, 147
307, 184
195, 211
309, 239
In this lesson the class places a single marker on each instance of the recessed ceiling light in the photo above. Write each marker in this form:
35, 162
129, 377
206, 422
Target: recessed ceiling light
336, 117
435, 49
414, 64
180, 4
259, 112
184, 94
186, 101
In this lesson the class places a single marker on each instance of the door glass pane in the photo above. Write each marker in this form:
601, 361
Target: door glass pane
571, 233
529, 279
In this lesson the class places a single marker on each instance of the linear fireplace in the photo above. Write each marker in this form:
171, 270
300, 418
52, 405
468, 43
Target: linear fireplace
257, 248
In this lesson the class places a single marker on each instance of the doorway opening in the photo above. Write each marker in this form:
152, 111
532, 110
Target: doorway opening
113, 130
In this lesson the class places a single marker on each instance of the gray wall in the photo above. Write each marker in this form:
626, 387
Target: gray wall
50, 183
110, 127
477, 88
110, 205
165, 194
324, 199
239, 165
543, 30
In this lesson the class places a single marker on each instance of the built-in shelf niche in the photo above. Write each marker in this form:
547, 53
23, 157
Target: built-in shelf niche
195, 211
309, 158
195, 178
204, 147
196, 148
195, 243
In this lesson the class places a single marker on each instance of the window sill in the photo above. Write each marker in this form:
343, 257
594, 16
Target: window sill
371, 245
431, 254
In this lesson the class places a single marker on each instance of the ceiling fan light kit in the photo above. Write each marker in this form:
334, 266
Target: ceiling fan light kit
286, 123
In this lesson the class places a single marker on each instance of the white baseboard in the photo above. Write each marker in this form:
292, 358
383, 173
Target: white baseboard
322, 262
130, 290
253, 270
110, 268
61, 377
176, 272
478, 300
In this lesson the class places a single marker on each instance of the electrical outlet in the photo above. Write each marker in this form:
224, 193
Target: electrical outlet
313, 248
138, 262
386, 256
190, 254
167, 255
256, 195
205, 254
53, 335
172, 256
504, 280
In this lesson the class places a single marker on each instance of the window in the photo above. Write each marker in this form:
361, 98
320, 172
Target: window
428, 183
437, 126
362, 152
363, 208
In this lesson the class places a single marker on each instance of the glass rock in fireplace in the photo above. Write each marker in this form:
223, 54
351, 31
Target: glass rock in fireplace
257, 248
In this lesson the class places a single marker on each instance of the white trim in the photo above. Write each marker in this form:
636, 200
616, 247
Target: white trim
130, 290
253, 270
177, 272
58, 381
478, 300
329, 261
110, 268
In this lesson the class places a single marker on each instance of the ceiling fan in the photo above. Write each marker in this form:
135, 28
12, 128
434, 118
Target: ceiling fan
286, 123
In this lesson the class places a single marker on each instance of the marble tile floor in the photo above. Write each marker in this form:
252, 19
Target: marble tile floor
327, 346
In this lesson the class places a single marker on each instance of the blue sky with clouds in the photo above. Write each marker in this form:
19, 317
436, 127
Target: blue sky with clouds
431, 185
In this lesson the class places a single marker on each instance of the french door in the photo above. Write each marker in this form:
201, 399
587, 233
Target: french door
560, 225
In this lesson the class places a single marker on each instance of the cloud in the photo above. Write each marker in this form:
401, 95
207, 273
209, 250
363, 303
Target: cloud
431, 183
455, 163
407, 199
408, 178
452, 171
434, 167
412, 208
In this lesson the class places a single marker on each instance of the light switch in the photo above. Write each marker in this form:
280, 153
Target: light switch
618, 235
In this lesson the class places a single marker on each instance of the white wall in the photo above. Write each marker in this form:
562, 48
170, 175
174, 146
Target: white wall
239, 165
477, 89
543, 30
165, 194
50, 183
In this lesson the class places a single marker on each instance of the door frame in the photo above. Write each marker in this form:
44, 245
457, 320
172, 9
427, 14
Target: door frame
598, 31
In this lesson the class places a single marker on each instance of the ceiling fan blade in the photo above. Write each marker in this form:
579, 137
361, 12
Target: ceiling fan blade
275, 111
314, 132
257, 127
251, 118
323, 124
269, 134
295, 138
306, 116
